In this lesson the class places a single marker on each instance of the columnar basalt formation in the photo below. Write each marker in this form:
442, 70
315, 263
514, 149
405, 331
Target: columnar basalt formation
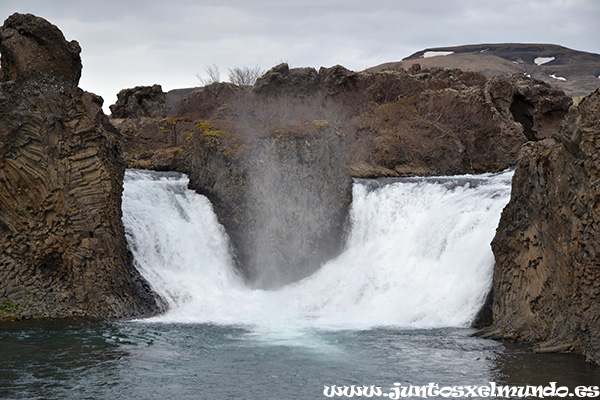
62, 244
546, 284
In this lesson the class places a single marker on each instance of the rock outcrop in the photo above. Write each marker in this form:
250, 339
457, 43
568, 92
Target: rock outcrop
282, 194
281, 79
62, 245
536, 105
140, 101
153, 130
546, 285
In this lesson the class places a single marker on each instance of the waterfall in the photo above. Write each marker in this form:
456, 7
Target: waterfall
417, 256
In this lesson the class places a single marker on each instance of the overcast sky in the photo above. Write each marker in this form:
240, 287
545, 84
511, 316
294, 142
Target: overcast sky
129, 43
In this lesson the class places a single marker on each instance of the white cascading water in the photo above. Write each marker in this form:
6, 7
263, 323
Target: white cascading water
418, 256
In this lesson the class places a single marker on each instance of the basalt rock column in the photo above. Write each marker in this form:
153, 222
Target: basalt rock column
63, 248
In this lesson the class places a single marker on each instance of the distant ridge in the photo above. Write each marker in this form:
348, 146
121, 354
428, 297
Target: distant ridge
577, 73
174, 97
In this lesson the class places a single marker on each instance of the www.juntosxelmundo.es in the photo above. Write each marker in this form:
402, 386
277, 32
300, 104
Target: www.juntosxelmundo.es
434, 390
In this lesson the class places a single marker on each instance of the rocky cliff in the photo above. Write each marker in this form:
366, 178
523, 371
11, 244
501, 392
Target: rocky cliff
546, 285
140, 101
63, 249
282, 193
154, 125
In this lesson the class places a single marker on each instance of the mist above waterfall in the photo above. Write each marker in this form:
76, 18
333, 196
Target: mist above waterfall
417, 255
279, 183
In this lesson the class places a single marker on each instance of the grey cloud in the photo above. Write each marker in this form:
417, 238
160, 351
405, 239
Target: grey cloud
141, 42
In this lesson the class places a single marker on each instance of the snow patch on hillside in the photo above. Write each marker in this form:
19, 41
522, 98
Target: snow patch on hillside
543, 60
428, 54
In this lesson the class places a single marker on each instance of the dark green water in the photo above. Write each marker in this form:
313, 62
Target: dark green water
139, 360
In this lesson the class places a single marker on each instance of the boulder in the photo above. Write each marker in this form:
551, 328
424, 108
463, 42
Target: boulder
63, 251
337, 80
546, 285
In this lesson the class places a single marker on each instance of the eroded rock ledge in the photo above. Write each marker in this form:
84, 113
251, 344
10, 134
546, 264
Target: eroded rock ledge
63, 249
546, 284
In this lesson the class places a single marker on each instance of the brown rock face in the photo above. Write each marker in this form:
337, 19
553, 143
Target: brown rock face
281, 79
63, 248
536, 105
444, 122
547, 247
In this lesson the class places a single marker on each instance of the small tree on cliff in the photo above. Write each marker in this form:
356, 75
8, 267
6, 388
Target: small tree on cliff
214, 75
245, 76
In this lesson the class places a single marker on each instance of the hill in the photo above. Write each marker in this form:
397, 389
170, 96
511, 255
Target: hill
577, 73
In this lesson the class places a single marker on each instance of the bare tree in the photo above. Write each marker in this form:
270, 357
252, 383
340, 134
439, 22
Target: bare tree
245, 76
214, 76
